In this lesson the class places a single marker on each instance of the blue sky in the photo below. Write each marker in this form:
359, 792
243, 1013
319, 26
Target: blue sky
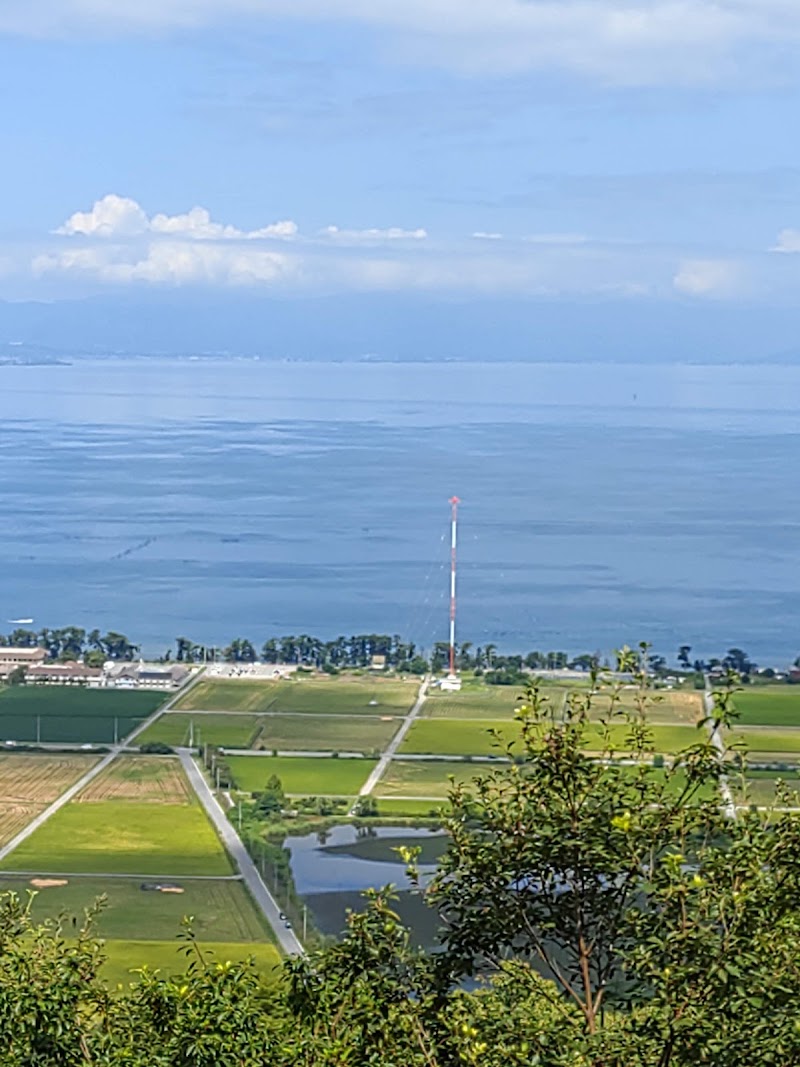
478, 149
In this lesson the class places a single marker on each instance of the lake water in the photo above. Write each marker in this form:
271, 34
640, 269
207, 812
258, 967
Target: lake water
332, 871
217, 498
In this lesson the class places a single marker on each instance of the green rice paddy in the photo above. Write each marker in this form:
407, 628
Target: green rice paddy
177, 728
768, 706
72, 713
304, 776
123, 837
125, 957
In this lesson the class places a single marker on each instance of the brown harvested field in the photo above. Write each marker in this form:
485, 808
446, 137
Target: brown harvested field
144, 779
29, 783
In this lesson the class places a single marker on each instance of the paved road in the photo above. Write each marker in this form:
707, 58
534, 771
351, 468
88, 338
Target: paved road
262, 896
395, 743
727, 797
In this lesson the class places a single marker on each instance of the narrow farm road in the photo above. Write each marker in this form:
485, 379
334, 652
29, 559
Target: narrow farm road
261, 895
395, 743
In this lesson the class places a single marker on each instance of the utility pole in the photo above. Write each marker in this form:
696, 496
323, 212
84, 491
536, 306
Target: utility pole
454, 502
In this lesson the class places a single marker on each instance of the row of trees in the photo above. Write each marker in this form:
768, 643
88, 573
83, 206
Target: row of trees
73, 642
592, 914
358, 650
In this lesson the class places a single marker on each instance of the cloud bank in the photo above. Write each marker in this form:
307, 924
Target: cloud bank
118, 243
658, 42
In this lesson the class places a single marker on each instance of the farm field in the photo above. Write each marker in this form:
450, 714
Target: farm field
455, 737
221, 910
333, 696
147, 779
28, 783
425, 778
768, 706
761, 787
73, 714
480, 702
304, 776
178, 728
325, 733
169, 957
123, 837
667, 707
410, 809
766, 741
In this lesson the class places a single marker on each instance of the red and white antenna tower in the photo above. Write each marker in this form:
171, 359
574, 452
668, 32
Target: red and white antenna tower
454, 502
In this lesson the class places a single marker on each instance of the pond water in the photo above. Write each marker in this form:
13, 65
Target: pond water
333, 869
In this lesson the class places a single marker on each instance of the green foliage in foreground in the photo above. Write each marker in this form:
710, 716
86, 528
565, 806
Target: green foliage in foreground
609, 916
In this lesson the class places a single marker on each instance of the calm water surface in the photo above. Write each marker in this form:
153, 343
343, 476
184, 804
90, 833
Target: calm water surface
331, 872
220, 498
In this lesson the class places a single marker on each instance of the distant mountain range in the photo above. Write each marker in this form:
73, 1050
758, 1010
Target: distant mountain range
397, 327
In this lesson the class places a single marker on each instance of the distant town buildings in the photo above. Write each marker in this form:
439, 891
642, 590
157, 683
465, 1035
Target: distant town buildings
11, 658
112, 675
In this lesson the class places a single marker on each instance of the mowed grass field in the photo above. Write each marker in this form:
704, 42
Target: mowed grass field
302, 776
179, 728
124, 958
72, 713
221, 910
138, 817
769, 706
28, 783
473, 738
333, 696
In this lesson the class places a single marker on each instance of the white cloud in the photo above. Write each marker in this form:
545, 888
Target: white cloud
371, 236
171, 262
111, 216
482, 235
618, 41
708, 277
788, 242
119, 216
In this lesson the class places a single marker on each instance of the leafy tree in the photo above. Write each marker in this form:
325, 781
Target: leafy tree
271, 800
17, 675
683, 657
736, 660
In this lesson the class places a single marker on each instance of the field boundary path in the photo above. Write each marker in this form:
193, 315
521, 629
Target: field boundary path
264, 900
727, 797
90, 775
380, 768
